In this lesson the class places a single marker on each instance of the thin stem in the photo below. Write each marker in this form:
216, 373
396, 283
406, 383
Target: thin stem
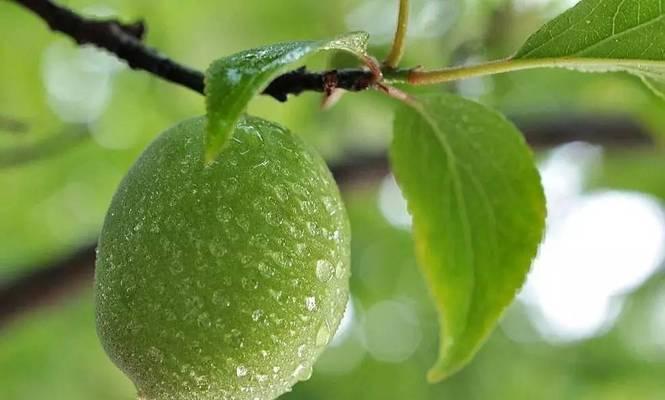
399, 42
420, 77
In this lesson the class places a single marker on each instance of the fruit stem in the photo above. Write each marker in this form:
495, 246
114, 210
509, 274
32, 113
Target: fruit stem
399, 42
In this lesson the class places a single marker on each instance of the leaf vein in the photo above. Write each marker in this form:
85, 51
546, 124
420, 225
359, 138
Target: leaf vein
553, 37
623, 33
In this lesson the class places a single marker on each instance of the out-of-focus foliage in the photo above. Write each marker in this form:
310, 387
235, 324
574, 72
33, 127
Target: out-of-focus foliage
51, 207
382, 352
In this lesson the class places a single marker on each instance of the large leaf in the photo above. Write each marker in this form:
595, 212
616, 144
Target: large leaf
231, 82
604, 35
478, 214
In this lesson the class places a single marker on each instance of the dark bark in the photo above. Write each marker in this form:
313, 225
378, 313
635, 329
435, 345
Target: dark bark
125, 41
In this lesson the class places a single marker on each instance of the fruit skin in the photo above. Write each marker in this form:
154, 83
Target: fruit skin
227, 281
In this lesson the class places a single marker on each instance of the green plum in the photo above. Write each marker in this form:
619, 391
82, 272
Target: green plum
223, 281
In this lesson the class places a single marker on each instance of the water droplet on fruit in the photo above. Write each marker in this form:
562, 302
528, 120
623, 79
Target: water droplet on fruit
311, 227
310, 303
276, 294
204, 320
249, 283
156, 355
256, 315
265, 270
324, 270
241, 370
176, 268
302, 372
322, 335
339, 270
219, 298
280, 193
202, 383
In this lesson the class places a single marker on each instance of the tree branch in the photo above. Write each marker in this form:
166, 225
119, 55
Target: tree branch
47, 285
125, 42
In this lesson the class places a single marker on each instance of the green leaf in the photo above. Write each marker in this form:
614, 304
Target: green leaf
478, 215
231, 82
605, 35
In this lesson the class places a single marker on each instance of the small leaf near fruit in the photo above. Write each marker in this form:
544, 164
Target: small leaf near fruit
231, 82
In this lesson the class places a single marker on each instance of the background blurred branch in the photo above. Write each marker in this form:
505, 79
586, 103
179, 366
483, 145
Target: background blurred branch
12, 125
49, 147
125, 41
48, 283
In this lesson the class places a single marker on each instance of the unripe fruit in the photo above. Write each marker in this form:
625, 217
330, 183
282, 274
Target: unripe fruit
227, 281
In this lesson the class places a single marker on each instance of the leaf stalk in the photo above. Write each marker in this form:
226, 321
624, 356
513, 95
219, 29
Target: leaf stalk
399, 42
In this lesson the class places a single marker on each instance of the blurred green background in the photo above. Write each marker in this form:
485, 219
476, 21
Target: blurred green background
590, 324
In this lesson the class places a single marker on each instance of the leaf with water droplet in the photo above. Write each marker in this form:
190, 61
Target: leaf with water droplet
604, 36
231, 82
478, 214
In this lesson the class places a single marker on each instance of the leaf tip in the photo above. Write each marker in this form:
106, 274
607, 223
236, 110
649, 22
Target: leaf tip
209, 157
444, 369
213, 145
435, 376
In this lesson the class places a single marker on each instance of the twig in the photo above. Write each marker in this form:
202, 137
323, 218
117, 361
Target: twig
43, 286
125, 41
399, 42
